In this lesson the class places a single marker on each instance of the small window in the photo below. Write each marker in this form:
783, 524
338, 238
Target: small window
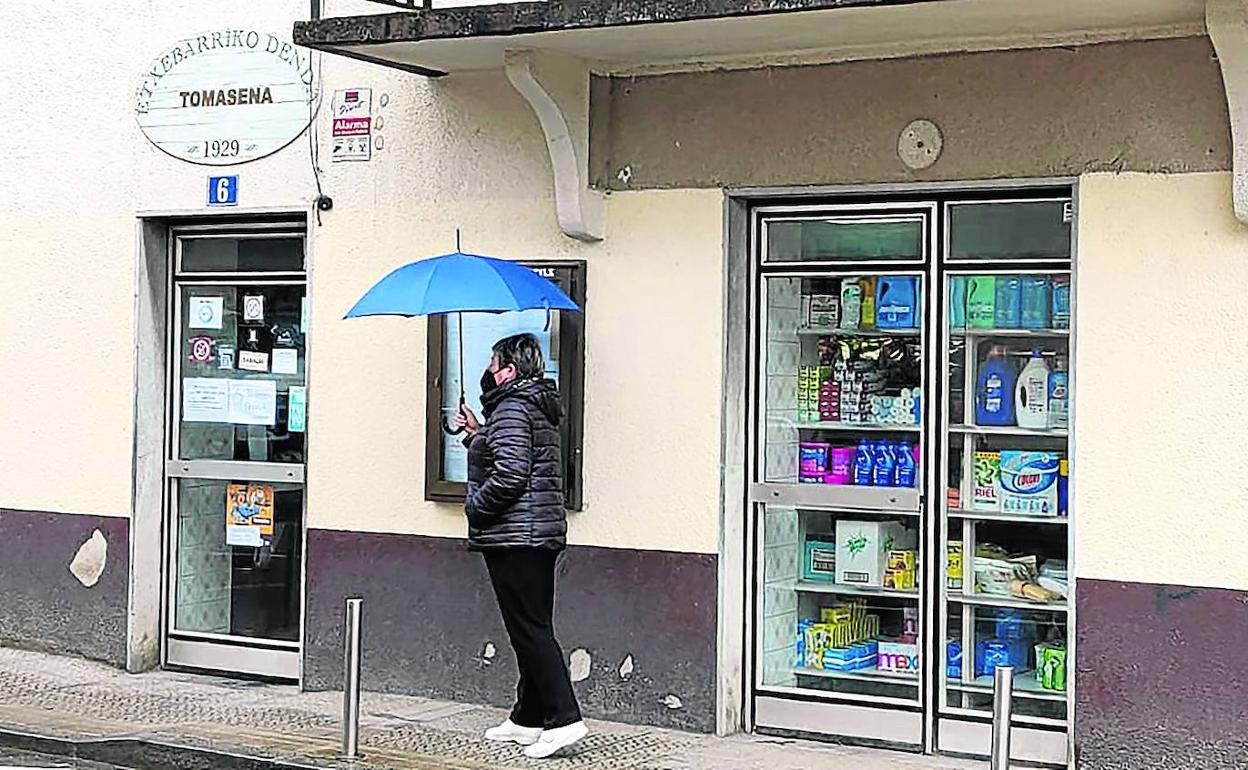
242, 254
846, 239
1010, 230
563, 344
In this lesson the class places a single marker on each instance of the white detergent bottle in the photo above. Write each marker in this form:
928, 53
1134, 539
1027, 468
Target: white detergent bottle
1031, 395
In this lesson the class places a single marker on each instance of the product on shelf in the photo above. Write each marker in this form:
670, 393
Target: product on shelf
897, 305
986, 492
1031, 394
812, 465
953, 659
997, 574
901, 570
864, 464
868, 320
1029, 482
1059, 394
981, 299
862, 549
841, 640
1053, 577
819, 559
841, 466
957, 302
1051, 665
1061, 302
953, 565
898, 657
884, 472
851, 303
994, 391
1036, 302
1008, 313
1063, 483
824, 311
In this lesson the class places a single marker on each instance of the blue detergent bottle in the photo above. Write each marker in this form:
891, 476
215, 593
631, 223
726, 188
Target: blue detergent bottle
907, 471
864, 464
884, 465
896, 305
1037, 302
994, 390
1009, 303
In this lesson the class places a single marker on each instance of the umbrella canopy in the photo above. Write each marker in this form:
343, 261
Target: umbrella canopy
459, 282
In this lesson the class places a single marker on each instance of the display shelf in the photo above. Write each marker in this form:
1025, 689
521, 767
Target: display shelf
959, 513
1025, 686
1010, 430
838, 332
1032, 333
841, 589
862, 675
857, 427
988, 600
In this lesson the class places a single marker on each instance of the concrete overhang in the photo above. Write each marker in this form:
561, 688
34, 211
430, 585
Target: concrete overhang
640, 36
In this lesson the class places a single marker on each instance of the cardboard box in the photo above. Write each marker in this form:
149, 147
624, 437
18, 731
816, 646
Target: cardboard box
1029, 482
986, 490
897, 658
953, 564
862, 550
819, 561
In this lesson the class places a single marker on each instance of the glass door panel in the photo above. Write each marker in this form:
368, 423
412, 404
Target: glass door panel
1007, 463
840, 601
842, 383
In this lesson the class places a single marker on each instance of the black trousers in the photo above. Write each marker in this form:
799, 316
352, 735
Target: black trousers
524, 583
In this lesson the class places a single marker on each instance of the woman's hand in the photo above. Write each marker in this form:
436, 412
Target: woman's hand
465, 419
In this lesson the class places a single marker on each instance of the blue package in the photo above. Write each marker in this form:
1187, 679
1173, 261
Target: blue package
1009, 624
953, 660
989, 654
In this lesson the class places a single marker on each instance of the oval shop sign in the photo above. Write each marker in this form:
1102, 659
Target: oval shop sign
227, 96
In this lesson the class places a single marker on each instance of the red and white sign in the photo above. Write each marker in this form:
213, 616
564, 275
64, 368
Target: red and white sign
353, 125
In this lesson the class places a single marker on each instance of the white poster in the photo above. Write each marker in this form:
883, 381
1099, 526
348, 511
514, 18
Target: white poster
253, 361
206, 312
253, 402
285, 361
205, 399
253, 308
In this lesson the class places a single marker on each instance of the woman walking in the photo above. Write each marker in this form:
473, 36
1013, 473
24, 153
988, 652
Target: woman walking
516, 519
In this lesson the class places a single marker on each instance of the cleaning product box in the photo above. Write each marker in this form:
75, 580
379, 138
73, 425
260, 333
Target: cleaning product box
953, 565
901, 570
898, 657
862, 549
819, 561
1029, 482
986, 492
825, 311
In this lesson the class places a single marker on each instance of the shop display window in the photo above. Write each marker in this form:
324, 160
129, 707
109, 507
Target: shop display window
562, 335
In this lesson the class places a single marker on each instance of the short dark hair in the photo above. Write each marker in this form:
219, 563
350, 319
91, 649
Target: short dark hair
524, 352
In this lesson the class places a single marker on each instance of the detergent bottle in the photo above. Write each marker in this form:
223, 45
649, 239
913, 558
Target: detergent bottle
1008, 313
885, 462
897, 304
1059, 394
994, 390
1031, 394
907, 469
864, 464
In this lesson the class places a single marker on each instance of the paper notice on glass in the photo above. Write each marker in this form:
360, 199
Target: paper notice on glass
253, 361
285, 361
297, 418
205, 399
205, 313
303, 315
253, 402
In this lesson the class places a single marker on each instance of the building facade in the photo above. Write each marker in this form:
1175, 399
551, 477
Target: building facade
739, 198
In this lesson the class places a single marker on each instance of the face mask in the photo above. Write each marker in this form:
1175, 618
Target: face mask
487, 381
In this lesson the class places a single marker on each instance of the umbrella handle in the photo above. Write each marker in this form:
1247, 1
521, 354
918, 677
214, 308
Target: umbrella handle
446, 424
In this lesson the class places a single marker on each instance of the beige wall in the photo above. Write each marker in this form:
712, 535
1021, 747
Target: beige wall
1161, 388
1141, 106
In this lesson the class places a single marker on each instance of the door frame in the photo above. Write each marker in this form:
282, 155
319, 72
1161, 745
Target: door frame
149, 490
735, 693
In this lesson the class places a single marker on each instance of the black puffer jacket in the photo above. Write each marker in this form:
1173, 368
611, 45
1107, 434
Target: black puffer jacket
515, 470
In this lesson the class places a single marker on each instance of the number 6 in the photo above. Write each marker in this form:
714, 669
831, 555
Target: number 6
223, 189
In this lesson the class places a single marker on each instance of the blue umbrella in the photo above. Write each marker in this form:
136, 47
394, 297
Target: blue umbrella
460, 283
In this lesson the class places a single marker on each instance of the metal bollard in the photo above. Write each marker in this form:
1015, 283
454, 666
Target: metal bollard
351, 680
1002, 711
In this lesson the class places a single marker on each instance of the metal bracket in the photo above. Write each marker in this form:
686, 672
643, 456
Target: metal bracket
557, 88
1227, 23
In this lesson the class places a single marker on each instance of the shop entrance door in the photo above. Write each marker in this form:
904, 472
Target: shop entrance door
902, 543
236, 450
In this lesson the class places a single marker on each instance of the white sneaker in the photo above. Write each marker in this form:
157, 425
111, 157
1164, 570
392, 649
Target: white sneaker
510, 732
556, 740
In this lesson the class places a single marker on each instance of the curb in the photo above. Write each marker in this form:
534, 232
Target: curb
144, 754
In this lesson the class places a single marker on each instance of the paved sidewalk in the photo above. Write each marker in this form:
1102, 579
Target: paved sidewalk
166, 719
